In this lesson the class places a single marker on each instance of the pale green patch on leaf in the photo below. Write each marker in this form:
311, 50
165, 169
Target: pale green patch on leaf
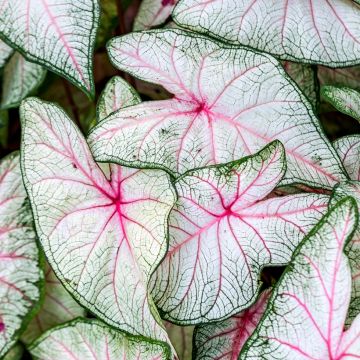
320, 32
91, 339
21, 78
20, 272
181, 339
103, 237
58, 307
307, 310
344, 99
57, 34
228, 103
223, 231
5, 53
15, 353
117, 94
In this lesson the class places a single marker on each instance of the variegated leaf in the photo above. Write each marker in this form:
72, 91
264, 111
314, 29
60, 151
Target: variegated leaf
223, 232
20, 273
306, 312
91, 339
153, 13
117, 94
228, 103
225, 339
58, 34
21, 77
58, 307
323, 31
5, 53
344, 99
103, 237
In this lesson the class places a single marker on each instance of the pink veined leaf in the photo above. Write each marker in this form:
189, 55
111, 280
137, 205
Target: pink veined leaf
153, 13
58, 34
322, 32
306, 312
222, 233
103, 237
216, 116
20, 273
225, 339
90, 339
58, 307
348, 76
5, 53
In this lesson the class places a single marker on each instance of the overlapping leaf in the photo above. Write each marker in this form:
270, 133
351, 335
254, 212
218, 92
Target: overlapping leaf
344, 99
117, 94
55, 33
103, 237
20, 274
152, 13
228, 103
307, 310
224, 340
90, 339
58, 307
5, 53
323, 32
222, 233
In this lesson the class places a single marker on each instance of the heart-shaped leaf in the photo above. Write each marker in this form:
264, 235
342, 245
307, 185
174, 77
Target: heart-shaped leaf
321, 32
307, 309
102, 237
117, 94
153, 13
228, 103
90, 339
5, 53
58, 307
21, 77
57, 34
222, 233
225, 339
349, 76
344, 99
20, 273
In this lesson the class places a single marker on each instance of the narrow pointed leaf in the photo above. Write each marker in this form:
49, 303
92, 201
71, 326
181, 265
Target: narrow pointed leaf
117, 94
349, 76
307, 310
91, 339
153, 13
225, 339
321, 32
227, 103
20, 273
103, 238
5, 53
21, 77
348, 148
345, 100
57, 34
58, 307
222, 233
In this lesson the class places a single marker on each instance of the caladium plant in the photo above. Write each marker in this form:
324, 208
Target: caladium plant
199, 196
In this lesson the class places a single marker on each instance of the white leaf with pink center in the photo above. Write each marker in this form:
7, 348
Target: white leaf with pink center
222, 233
102, 237
306, 313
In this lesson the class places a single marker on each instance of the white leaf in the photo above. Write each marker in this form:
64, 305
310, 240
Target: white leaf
90, 339
223, 232
307, 310
20, 273
228, 103
102, 237
58, 34
323, 31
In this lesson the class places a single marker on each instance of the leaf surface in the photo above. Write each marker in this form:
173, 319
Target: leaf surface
348, 76
228, 103
223, 232
91, 339
322, 32
5, 53
103, 237
307, 310
58, 34
20, 273
225, 339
